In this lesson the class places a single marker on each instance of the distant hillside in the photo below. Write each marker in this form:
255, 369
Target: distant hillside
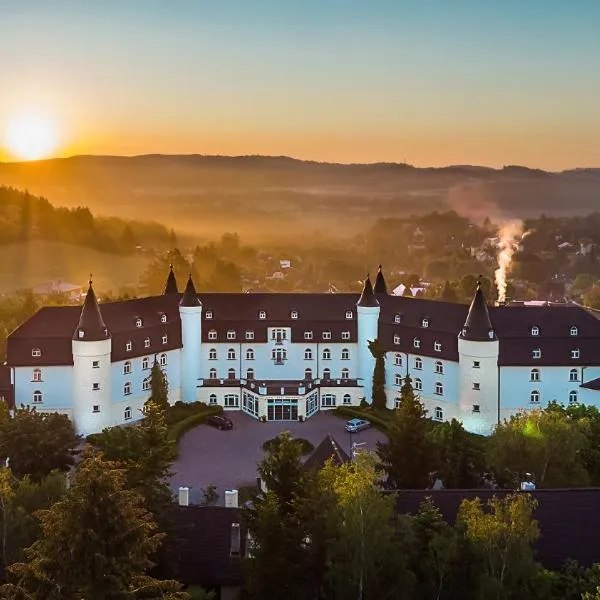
279, 196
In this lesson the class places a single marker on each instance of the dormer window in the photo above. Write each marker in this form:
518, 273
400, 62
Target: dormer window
327, 335
165, 339
575, 353
397, 318
491, 334
308, 335
262, 314
535, 330
138, 322
345, 335
348, 314
163, 318
437, 346
294, 314
208, 314
231, 334
212, 334
249, 335
147, 343
417, 343
396, 339
36, 352
536, 353
574, 330
425, 322
128, 346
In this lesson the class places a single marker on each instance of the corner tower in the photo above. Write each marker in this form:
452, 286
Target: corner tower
91, 347
367, 309
190, 311
478, 350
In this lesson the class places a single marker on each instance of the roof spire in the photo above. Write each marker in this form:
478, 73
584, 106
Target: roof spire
478, 326
171, 285
380, 284
190, 297
91, 327
367, 298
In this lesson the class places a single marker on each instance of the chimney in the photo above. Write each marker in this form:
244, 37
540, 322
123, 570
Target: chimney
231, 498
235, 546
184, 496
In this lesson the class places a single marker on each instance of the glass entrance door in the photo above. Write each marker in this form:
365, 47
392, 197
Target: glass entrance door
282, 409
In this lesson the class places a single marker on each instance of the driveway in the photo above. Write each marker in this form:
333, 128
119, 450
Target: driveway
228, 459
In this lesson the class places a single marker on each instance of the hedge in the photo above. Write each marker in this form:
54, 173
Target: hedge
179, 428
306, 446
357, 413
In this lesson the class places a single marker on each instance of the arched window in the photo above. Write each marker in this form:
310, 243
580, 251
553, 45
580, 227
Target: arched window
439, 388
573, 375
231, 354
345, 354
439, 413
138, 322
145, 363
308, 354
397, 318
308, 374
326, 374
127, 388
294, 314
126, 367
231, 374
345, 374
573, 396
212, 399
418, 384
326, 354
212, 354
262, 314
535, 330
534, 375
127, 413
425, 322
162, 360
250, 354
347, 399
212, 374
398, 379
146, 384
37, 397
37, 375
534, 397
250, 374
398, 360
574, 330
36, 352
163, 318
439, 367
418, 363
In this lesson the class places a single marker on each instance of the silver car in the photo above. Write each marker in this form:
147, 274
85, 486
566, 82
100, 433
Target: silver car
355, 425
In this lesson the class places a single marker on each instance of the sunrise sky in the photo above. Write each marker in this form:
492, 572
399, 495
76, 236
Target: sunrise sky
488, 82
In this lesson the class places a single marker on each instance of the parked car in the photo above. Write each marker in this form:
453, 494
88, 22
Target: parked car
220, 422
355, 425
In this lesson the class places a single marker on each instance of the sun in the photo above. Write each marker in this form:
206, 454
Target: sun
31, 136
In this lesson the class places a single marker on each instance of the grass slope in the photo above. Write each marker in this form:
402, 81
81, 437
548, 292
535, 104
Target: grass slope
27, 265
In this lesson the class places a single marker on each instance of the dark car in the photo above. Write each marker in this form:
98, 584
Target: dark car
220, 422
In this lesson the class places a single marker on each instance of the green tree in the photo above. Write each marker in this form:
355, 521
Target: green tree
503, 535
379, 398
36, 443
467, 285
408, 455
95, 543
592, 297
545, 443
159, 388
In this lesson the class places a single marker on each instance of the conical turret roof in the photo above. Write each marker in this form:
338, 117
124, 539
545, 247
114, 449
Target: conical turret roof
190, 297
367, 298
380, 284
171, 285
91, 327
478, 326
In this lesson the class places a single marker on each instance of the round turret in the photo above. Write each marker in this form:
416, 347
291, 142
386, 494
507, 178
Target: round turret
190, 311
367, 309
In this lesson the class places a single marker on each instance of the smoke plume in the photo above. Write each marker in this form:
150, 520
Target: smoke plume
510, 233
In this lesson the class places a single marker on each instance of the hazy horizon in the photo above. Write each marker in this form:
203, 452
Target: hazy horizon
428, 83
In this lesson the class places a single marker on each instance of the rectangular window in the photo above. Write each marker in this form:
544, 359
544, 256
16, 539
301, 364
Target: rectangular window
231, 335
575, 353
95, 386
232, 400
476, 386
345, 335
308, 335
476, 408
96, 408
327, 335
165, 339
537, 353
212, 335
476, 364
249, 335
128, 347
95, 364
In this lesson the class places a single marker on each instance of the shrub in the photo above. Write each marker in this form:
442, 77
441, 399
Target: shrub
201, 414
182, 410
271, 444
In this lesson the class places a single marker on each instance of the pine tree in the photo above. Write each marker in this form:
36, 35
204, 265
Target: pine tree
159, 388
379, 398
407, 457
95, 543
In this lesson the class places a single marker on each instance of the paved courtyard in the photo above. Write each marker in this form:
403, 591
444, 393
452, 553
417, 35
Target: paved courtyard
228, 459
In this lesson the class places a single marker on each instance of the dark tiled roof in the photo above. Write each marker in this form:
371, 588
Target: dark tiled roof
367, 298
203, 554
594, 384
171, 285
190, 297
477, 326
327, 449
380, 284
91, 327
569, 519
